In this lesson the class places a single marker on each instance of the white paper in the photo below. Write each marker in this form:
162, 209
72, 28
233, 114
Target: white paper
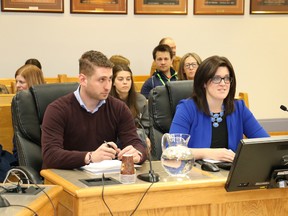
105, 166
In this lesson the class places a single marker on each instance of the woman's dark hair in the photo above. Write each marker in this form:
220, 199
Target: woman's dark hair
34, 61
131, 100
205, 72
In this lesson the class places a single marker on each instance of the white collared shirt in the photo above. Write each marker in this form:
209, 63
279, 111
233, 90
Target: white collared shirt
79, 99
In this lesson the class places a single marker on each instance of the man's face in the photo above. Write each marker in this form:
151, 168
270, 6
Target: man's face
97, 86
163, 61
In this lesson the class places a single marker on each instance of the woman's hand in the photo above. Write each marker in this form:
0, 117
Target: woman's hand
221, 154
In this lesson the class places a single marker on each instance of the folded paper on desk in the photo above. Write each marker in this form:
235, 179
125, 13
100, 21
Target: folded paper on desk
105, 166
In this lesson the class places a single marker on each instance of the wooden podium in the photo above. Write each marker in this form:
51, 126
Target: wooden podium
201, 193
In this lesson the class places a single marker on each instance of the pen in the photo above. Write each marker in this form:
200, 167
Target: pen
110, 146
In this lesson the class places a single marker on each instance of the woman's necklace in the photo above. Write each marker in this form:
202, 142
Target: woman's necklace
216, 118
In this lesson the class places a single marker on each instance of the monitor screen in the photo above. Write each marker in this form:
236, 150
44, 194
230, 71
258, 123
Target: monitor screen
255, 161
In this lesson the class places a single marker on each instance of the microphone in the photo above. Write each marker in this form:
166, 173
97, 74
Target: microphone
284, 108
151, 176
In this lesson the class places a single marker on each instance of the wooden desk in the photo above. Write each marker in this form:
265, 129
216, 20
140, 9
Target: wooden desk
39, 202
202, 193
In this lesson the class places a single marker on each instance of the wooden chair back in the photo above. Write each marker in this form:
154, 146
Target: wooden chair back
243, 96
6, 128
6, 98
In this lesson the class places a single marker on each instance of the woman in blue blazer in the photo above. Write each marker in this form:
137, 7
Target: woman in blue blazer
213, 118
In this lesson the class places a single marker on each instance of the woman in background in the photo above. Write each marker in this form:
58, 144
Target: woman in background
188, 66
35, 62
119, 59
123, 89
213, 118
27, 76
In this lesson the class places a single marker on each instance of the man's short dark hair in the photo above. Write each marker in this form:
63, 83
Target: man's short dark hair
162, 48
93, 58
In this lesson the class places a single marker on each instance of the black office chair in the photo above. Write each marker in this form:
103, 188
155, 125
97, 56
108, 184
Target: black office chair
28, 108
162, 106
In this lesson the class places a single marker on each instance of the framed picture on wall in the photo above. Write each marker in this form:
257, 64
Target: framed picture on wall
49, 6
160, 7
268, 6
218, 7
99, 6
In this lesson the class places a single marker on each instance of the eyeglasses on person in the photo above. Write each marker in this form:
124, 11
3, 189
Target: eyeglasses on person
218, 79
194, 65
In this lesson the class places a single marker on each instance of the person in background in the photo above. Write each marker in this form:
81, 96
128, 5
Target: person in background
175, 59
119, 59
35, 62
162, 55
123, 89
27, 76
82, 127
188, 66
3, 89
213, 118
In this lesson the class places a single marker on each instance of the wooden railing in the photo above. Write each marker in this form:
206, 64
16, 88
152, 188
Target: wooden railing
243, 96
61, 78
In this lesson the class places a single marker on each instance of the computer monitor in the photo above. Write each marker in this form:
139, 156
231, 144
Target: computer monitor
259, 163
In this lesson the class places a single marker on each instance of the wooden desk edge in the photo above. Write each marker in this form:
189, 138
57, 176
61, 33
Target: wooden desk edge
51, 178
36, 205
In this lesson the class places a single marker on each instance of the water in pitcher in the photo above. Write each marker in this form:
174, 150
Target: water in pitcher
177, 160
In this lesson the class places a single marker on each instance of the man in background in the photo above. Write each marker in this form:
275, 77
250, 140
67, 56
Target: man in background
162, 55
175, 60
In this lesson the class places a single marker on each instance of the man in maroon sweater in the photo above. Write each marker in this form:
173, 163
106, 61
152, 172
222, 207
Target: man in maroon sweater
82, 127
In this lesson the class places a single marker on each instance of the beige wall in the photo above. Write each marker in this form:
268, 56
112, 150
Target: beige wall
256, 45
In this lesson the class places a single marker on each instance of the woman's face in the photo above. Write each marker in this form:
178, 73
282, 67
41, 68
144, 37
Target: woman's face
123, 82
190, 67
216, 90
21, 83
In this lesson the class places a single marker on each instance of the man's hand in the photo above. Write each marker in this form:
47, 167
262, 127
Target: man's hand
107, 151
131, 151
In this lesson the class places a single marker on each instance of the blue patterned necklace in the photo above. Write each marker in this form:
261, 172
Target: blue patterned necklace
216, 118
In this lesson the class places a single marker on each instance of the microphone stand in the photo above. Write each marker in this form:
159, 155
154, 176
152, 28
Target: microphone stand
151, 176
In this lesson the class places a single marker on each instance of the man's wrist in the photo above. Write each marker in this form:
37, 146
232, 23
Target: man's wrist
88, 158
